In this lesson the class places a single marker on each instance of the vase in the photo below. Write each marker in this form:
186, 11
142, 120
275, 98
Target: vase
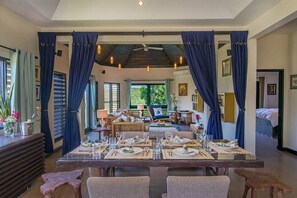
175, 108
8, 128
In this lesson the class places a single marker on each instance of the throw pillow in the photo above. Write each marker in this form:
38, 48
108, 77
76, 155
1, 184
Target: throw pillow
157, 111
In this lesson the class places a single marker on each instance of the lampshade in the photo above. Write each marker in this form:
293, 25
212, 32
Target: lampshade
140, 107
102, 113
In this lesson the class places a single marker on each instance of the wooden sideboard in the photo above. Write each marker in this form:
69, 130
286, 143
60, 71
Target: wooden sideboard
21, 162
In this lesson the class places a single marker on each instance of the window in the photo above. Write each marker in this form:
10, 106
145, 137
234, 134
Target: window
59, 105
148, 94
111, 97
5, 78
88, 115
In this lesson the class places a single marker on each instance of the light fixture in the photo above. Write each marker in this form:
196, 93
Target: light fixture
111, 60
140, 2
148, 68
181, 60
174, 65
120, 66
98, 49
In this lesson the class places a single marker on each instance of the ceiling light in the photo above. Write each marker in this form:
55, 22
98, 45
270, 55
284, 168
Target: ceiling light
120, 66
148, 68
98, 49
175, 66
111, 60
140, 2
181, 60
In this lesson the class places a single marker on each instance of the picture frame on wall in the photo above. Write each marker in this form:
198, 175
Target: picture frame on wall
271, 89
37, 74
183, 89
226, 67
293, 81
37, 92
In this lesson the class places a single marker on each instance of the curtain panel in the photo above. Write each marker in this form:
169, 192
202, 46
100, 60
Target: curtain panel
239, 75
93, 109
47, 47
128, 94
168, 97
200, 54
82, 60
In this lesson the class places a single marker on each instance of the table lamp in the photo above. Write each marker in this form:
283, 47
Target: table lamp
140, 107
101, 114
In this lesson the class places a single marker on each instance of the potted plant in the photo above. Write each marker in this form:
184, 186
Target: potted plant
7, 118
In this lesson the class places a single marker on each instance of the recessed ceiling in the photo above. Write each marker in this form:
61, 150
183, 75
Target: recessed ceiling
140, 56
123, 13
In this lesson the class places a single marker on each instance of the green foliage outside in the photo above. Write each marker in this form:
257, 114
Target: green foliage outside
139, 94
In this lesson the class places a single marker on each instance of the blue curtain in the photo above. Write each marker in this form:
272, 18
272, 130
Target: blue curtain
200, 54
128, 94
82, 60
239, 75
168, 97
47, 44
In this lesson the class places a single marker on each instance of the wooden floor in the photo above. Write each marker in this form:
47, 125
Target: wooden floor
282, 163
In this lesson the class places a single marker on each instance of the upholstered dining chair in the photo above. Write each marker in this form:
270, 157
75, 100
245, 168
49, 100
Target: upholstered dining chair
197, 186
118, 187
132, 134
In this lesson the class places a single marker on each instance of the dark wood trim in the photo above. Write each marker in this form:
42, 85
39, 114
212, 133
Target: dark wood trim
280, 103
11, 49
290, 151
141, 33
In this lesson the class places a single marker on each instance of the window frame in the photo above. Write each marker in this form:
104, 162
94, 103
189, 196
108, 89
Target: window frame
148, 94
64, 74
3, 76
110, 96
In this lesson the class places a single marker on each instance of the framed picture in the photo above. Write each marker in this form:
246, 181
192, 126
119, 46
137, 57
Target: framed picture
37, 73
293, 81
38, 92
183, 89
226, 67
271, 89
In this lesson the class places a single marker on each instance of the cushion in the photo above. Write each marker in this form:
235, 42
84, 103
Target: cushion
157, 111
160, 116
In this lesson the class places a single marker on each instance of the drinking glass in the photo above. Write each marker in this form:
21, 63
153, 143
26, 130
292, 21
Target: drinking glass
157, 148
119, 135
112, 142
104, 140
209, 139
95, 150
169, 138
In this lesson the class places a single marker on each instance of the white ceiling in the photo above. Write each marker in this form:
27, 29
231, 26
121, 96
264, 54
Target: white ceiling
128, 13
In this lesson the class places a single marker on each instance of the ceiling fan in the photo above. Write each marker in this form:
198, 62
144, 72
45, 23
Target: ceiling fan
147, 48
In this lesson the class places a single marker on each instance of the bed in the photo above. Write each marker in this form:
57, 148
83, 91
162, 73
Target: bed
267, 121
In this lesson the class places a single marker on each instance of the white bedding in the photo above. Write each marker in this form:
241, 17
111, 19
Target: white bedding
268, 114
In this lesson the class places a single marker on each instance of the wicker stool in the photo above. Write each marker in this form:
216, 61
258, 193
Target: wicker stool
260, 181
55, 180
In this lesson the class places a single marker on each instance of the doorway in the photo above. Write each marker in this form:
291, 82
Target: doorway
269, 99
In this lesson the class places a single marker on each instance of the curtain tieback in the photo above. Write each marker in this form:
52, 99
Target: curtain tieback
73, 111
212, 110
242, 110
45, 110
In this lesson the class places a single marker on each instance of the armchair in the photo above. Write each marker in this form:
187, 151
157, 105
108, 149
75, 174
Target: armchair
156, 118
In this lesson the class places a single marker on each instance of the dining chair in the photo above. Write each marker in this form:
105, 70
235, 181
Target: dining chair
118, 187
197, 186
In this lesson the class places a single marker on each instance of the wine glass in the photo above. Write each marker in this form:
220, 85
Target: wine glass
145, 136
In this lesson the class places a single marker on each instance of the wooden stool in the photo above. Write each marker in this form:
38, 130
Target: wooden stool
55, 180
261, 181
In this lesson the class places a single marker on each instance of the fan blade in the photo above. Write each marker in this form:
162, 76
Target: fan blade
136, 49
156, 48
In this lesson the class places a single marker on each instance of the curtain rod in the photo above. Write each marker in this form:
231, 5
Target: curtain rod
11, 49
142, 33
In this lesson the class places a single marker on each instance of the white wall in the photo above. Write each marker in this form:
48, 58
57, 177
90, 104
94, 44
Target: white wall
270, 101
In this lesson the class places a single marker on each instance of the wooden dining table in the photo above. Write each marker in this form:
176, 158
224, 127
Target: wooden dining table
220, 162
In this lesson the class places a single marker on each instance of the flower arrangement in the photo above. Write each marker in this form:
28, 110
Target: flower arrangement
8, 118
174, 100
197, 116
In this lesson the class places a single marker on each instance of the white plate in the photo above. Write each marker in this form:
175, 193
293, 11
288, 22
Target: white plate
180, 140
183, 152
126, 150
224, 146
134, 140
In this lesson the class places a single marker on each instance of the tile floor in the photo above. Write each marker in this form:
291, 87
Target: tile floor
282, 163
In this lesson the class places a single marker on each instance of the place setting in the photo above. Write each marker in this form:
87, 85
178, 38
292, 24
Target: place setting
130, 152
177, 141
90, 147
185, 152
137, 141
230, 147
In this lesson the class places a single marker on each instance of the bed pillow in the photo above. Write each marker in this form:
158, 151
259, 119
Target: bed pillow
157, 111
